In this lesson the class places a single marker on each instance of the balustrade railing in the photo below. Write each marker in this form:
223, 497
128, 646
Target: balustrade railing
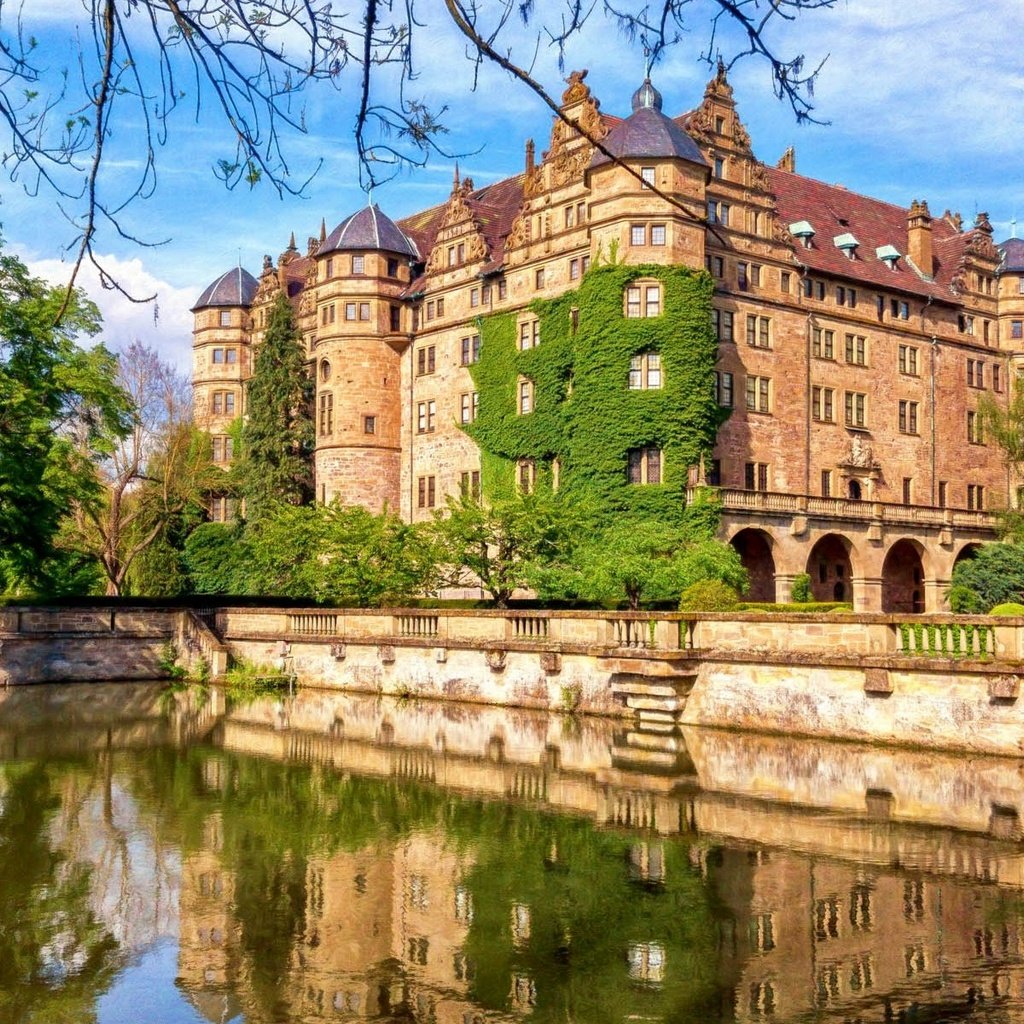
945, 639
634, 633
414, 625
313, 623
529, 627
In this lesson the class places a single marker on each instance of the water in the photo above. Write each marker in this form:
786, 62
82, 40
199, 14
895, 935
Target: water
170, 857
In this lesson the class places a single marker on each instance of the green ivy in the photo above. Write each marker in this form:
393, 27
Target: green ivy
584, 415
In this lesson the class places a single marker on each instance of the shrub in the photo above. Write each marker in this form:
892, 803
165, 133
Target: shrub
965, 601
801, 591
808, 607
709, 596
1009, 608
995, 574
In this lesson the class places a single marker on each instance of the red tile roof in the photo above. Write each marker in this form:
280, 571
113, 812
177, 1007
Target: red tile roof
834, 210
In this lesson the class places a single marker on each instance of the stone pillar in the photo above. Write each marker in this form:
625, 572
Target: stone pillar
784, 586
935, 592
867, 593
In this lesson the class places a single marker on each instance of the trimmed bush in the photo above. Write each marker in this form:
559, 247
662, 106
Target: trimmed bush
1010, 608
801, 588
709, 596
808, 607
995, 574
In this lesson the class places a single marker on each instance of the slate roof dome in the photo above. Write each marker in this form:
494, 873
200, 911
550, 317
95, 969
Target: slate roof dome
1013, 255
234, 287
369, 228
647, 132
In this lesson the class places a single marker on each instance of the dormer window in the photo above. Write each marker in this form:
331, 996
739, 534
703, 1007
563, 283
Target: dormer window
847, 243
802, 229
889, 255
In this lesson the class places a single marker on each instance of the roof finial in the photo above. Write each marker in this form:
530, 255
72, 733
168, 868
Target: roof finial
647, 60
292, 247
323, 230
455, 182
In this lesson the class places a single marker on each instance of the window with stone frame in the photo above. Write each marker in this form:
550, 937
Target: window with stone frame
724, 388
369, 424
529, 334
643, 300
756, 476
426, 417
644, 465
426, 360
823, 404
469, 406
975, 497
908, 360
638, 234
759, 331
325, 419
658, 234
723, 320
358, 264
525, 393
856, 349
223, 448
225, 318
645, 371
823, 343
908, 417
426, 492
469, 484
759, 394
526, 475
855, 405
469, 351
224, 403
974, 431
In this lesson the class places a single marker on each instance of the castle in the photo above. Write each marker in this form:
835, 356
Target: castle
855, 339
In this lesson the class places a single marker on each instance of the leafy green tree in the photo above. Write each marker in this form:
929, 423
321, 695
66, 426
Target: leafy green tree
647, 560
501, 546
995, 575
61, 413
336, 554
216, 557
277, 439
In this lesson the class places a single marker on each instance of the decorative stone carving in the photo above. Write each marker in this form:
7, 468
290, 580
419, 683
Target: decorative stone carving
496, 660
860, 455
740, 135
386, 654
338, 651
577, 91
877, 681
551, 662
780, 233
759, 177
519, 234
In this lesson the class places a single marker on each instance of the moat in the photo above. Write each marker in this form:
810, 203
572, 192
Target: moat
178, 856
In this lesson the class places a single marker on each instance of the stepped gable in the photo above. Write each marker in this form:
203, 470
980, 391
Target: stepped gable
369, 228
648, 132
834, 210
1013, 255
494, 207
235, 287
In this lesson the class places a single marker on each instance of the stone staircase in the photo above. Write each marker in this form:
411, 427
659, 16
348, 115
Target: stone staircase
657, 702
652, 753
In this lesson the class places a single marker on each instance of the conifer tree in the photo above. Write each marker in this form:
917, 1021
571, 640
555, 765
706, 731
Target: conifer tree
277, 440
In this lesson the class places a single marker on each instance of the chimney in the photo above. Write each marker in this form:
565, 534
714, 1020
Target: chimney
919, 238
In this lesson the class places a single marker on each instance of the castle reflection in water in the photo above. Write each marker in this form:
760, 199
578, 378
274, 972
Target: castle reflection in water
836, 882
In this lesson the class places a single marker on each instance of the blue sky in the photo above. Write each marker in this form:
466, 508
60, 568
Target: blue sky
924, 101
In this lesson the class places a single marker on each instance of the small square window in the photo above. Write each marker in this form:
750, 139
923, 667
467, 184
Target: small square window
657, 234
369, 424
638, 234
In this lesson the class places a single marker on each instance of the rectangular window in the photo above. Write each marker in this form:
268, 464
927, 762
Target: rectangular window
719, 167
908, 488
975, 373
581, 213
900, 310
647, 175
469, 404
218, 355
329, 269
943, 487
723, 320
974, 434
525, 397
364, 311
784, 279
965, 323
569, 217
718, 212
426, 492
326, 419
908, 360
755, 275
225, 318
826, 483
645, 371
1017, 326
358, 265
759, 331
997, 384
538, 278
755, 476
908, 417
855, 408
395, 318
474, 298
644, 466
823, 404
369, 424
485, 294
823, 343
637, 234
502, 288
657, 234
451, 255
742, 281
527, 474
723, 389
440, 307
425, 360
856, 349
470, 351
846, 296
231, 355
392, 267
460, 252
469, 485
529, 334
574, 270
759, 394
350, 312
975, 497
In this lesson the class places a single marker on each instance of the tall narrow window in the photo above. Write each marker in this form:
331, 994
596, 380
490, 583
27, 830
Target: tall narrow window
326, 424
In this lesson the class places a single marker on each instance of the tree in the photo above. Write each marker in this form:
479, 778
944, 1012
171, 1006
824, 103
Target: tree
500, 546
61, 413
252, 64
646, 560
153, 473
993, 576
277, 439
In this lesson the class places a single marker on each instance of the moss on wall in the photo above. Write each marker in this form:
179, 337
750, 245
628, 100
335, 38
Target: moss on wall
584, 414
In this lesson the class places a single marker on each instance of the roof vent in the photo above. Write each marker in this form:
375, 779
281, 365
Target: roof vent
802, 229
889, 254
847, 243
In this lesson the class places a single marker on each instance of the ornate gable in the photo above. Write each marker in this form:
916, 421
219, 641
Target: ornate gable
269, 284
459, 224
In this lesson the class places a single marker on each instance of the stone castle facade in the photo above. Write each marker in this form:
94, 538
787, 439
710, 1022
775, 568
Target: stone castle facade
856, 339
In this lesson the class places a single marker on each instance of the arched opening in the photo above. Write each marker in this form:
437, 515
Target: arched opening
830, 569
968, 551
903, 579
755, 550
854, 490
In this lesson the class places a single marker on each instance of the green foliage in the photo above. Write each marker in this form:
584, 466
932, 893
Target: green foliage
499, 546
1010, 608
217, 559
803, 608
277, 439
60, 412
585, 416
247, 680
336, 554
801, 590
995, 574
965, 601
709, 596
168, 662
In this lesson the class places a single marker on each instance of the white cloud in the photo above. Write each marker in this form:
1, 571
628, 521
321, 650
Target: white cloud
165, 324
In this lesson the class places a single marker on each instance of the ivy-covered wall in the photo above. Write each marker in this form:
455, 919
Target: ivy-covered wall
584, 413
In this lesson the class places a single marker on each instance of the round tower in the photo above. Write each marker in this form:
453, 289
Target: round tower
221, 356
362, 328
